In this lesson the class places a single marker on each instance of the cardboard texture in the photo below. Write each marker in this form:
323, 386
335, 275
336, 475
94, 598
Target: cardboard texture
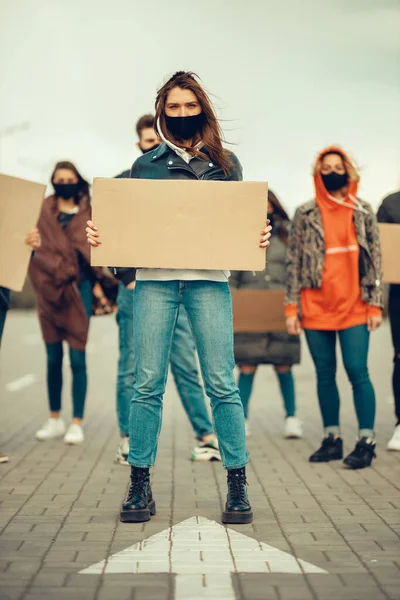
390, 244
20, 203
258, 311
178, 224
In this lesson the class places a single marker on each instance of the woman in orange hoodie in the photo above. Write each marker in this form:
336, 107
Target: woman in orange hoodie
334, 290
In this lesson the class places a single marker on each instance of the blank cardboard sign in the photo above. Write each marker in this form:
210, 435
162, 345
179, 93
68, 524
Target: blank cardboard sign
258, 311
178, 224
390, 244
20, 202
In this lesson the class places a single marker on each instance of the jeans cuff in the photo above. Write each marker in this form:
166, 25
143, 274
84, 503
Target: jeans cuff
200, 436
239, 466
332, 429
368, 433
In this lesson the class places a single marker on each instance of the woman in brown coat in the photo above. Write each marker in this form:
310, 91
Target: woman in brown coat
63, 282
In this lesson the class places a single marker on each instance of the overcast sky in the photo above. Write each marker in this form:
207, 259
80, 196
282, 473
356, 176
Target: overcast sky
289, 77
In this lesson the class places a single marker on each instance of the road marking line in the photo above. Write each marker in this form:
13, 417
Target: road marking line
202, 563
21, 383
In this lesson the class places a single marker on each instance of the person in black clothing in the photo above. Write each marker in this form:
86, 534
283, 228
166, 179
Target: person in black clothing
389, 212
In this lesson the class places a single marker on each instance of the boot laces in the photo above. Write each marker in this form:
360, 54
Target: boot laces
237, 484
138, 480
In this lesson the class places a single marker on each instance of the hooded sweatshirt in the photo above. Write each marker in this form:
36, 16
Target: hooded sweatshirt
337, 304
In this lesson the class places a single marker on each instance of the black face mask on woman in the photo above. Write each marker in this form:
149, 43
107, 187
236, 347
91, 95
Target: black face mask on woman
335, 181
184, 128
66, 190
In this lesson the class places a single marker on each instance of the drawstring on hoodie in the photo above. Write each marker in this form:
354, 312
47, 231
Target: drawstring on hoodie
356, 206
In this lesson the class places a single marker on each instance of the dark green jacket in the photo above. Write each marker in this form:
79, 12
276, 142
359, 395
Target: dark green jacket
164, 163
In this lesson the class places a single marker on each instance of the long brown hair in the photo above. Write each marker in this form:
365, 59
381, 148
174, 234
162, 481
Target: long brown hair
84, 191
211, 133
280, 214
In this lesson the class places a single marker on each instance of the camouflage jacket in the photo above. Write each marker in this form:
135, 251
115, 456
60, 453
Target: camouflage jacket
306, 253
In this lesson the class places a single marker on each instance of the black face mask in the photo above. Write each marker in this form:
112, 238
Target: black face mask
184, 128
66, 190
149, 149
334, 181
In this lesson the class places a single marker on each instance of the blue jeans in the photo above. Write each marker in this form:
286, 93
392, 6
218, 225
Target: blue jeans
125, 377
155, 312
184, 370
354, 343
183, 366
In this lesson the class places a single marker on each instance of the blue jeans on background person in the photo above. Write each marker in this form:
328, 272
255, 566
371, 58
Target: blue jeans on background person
125, 377
354, 343
286, 385
77, 359
155, 312
183, 363
183, 366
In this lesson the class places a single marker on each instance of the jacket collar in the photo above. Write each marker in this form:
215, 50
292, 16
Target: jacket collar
162, 150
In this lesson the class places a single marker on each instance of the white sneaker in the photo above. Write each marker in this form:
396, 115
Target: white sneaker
122, 452
394, 442
247, 427
293, 428
206, 451
53, 428
3, 458
74, 434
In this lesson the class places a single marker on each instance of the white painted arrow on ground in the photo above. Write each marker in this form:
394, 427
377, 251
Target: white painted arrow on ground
202, 554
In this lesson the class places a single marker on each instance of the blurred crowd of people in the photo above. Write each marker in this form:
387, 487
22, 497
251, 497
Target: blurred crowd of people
327, 258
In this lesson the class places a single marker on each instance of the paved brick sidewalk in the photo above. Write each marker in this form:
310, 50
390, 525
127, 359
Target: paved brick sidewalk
59, 504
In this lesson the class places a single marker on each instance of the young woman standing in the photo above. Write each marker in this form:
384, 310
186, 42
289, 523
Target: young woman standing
275, 348
191, 149
334, 290
63, 282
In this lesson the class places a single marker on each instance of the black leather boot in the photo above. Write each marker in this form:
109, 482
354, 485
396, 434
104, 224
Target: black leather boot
139, 505
237, 508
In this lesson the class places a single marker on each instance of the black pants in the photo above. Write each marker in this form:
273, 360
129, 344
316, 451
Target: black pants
394, 315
